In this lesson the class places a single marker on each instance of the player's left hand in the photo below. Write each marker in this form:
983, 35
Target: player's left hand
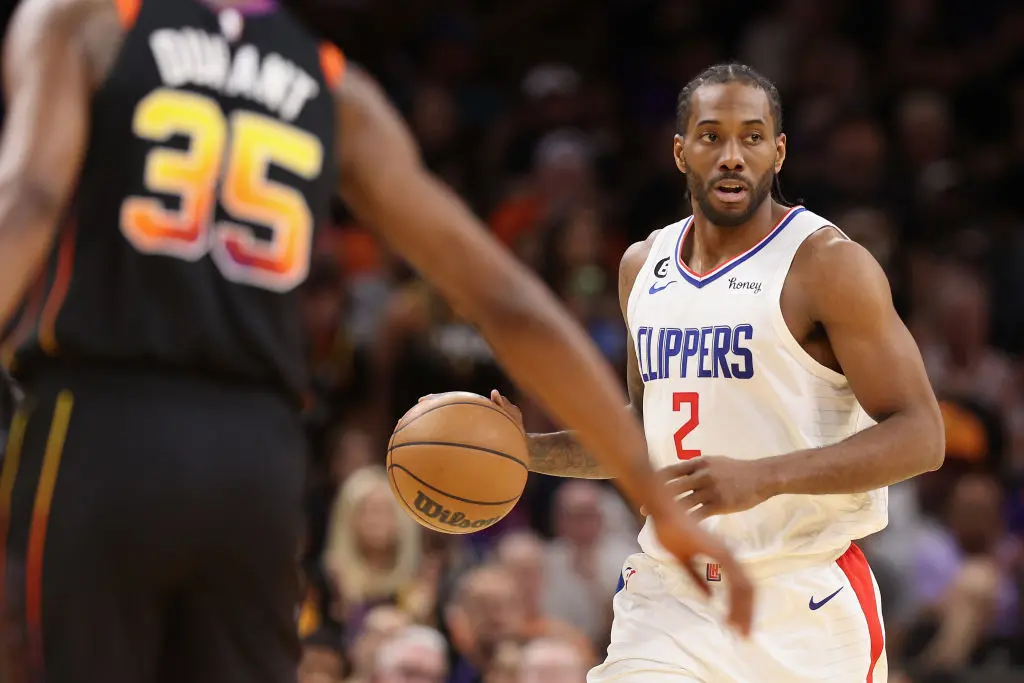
719, 485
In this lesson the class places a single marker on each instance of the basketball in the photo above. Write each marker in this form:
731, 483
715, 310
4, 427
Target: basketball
457, 462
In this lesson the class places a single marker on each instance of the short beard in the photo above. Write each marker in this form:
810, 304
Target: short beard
700, 190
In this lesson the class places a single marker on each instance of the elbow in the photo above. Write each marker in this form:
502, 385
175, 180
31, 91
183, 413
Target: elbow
933, 441
27, 202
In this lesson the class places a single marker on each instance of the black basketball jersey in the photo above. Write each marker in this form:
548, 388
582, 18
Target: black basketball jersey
210, 163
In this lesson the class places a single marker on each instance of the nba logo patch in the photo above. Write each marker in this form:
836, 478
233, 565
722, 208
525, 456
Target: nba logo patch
714, 571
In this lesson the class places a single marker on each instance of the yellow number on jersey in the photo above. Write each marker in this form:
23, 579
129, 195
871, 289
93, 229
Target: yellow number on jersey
247, 144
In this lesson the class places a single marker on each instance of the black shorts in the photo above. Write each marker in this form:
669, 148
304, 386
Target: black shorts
152, 527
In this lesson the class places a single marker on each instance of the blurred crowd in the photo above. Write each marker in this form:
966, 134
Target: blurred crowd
905, 121
554, 120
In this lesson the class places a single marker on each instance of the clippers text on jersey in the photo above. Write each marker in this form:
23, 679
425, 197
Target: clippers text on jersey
705, 352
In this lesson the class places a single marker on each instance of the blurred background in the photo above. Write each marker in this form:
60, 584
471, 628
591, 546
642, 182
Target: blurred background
554, 120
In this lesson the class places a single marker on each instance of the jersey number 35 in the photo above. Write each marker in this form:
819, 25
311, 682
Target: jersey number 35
226, 163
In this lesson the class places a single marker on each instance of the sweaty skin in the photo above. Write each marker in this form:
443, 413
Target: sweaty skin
59, 51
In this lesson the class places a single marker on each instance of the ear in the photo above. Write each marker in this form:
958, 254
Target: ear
677, 153
780, 151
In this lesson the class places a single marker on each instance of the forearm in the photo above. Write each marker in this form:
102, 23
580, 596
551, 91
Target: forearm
897, 448
559, 454
26, 232
551, 358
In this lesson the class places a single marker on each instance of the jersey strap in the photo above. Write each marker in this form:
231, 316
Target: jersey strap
128, 11
332, 62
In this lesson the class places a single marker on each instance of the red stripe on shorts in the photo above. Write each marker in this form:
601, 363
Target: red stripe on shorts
855, 566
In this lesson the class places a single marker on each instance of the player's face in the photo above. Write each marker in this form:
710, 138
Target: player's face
730, 152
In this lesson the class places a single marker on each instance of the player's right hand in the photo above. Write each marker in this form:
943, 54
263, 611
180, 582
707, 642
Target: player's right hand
680, 534
497, 399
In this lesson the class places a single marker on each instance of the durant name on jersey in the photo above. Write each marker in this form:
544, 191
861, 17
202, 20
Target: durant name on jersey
190, 56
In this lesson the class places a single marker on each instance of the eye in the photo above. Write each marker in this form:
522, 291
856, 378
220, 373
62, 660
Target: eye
756, 138
709, 137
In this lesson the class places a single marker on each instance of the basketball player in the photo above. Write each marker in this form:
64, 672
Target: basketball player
781, 394
163, 166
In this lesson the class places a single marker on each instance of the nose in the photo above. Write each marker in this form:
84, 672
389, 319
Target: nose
732, 156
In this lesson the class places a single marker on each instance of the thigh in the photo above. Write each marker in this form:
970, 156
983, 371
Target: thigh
822, 623
233, 620
77, 602
240, 630
655, 635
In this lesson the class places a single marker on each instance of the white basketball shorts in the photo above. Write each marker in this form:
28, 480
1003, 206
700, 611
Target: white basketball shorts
814, 624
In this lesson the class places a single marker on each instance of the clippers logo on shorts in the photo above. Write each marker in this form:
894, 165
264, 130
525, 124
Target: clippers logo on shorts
627, 575
714, 571
624, 578
706, 352
431, 509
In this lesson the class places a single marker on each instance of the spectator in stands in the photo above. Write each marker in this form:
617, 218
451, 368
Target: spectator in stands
966, 593
416, 654
505, 665
583, 563
521, 553
485, 611
373, 547
958, 357
550, 660
380, 624
321, 658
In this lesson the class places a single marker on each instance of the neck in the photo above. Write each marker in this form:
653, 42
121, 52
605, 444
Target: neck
383, 558
712, 245
242, 5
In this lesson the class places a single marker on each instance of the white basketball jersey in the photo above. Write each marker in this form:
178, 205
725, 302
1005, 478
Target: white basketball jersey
723, 375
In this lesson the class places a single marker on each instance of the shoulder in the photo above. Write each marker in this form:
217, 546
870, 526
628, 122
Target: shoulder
353, 81
91, 27
333, 65
635, 255
360, 99
632, 261
68, 17
373, 128
839, 275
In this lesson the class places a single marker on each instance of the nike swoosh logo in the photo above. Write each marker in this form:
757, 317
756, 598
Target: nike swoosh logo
655, 288
818, 605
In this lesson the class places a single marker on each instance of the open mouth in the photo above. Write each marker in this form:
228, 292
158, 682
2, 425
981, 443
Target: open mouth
730, 192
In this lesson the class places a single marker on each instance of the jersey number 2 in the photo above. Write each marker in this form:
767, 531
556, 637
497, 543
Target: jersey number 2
226, 163
692, 399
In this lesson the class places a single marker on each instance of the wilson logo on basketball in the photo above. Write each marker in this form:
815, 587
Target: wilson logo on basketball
434, 510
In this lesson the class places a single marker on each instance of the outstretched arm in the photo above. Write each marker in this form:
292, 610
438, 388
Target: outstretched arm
531, 334
47, 84
881, 361
386, 186
559, 454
